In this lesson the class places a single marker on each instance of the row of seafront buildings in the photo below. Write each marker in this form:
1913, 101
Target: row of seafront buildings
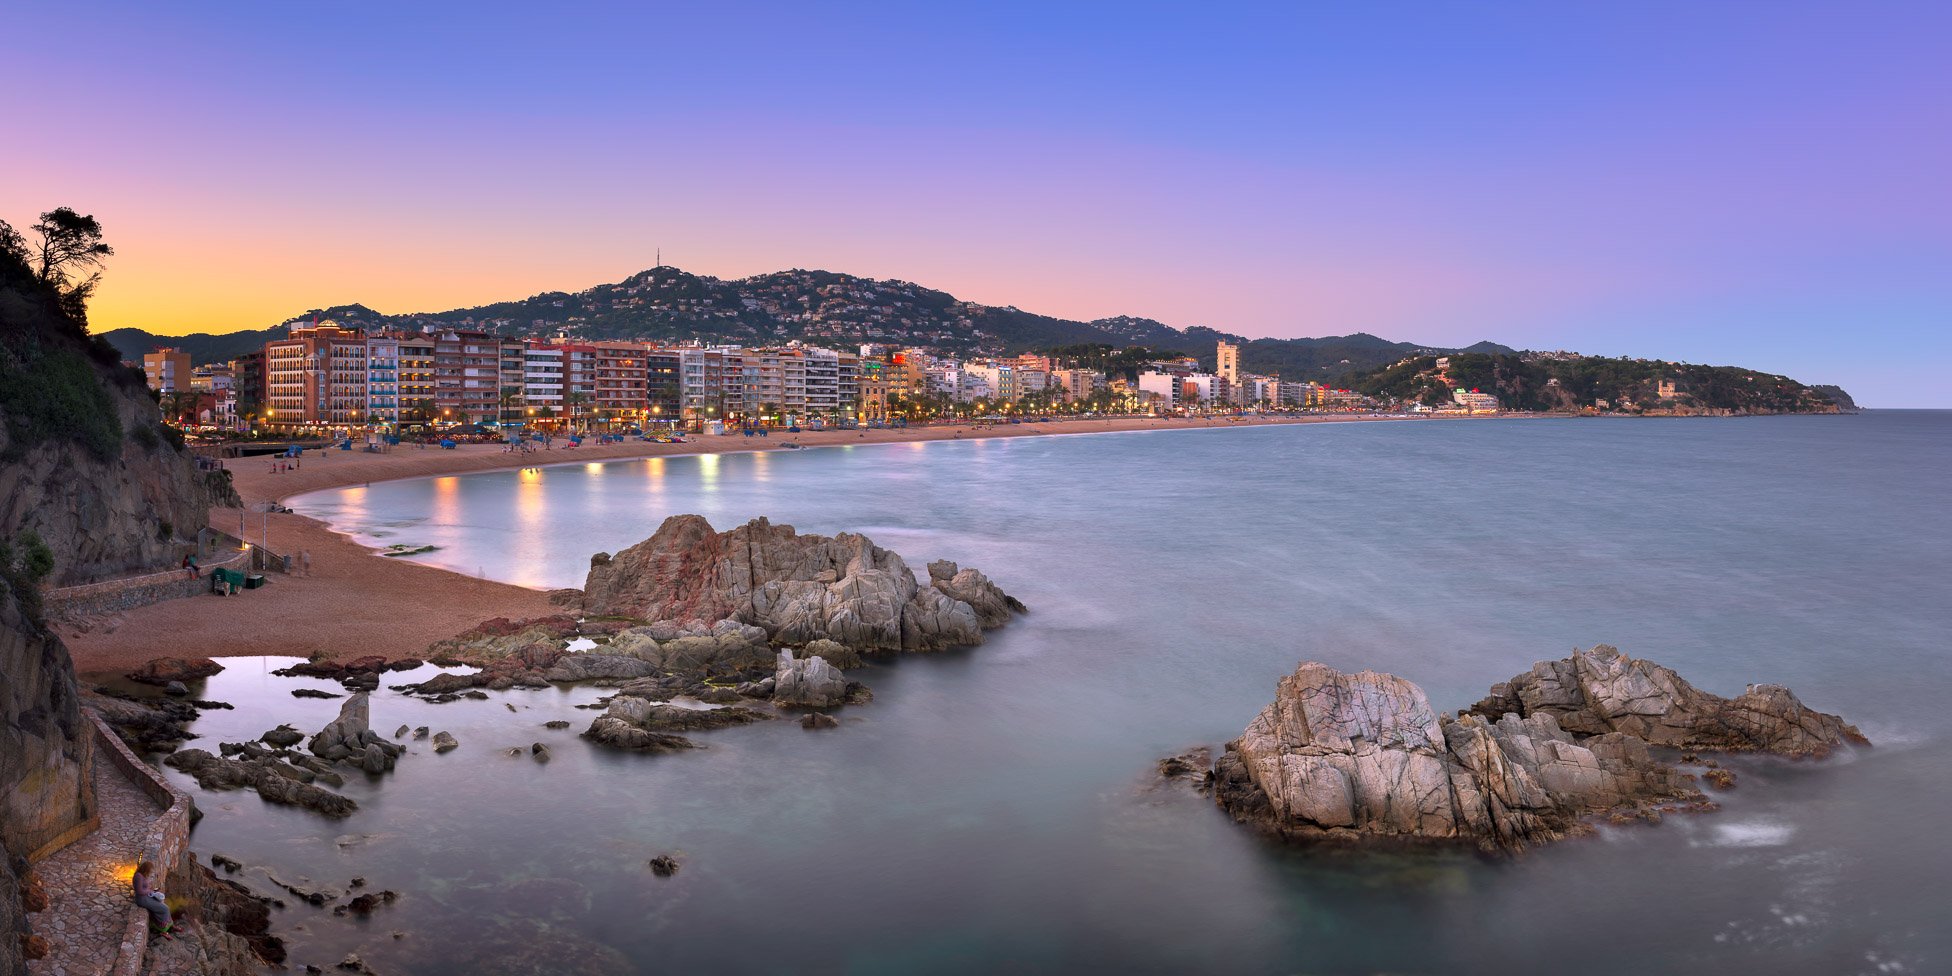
325, 376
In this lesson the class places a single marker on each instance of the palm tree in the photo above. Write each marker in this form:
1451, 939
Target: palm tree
575, 399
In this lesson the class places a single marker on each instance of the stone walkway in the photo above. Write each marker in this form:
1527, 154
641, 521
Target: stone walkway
89, 898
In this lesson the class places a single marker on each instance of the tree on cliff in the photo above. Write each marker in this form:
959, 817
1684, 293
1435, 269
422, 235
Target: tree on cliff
70, 244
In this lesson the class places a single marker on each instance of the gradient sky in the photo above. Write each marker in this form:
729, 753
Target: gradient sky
1761, 183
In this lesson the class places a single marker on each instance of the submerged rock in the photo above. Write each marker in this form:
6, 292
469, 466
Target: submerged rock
1364, 756
162, 671
797, 588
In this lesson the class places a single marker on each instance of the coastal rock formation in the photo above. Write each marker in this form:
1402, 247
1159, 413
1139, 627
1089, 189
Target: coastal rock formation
1603, 690
808, 681
1360, 757
796, 588
276, 781
624, 726
147, 724
835, 653
164, 670
583, 667
993, 606
350, 737
722, 647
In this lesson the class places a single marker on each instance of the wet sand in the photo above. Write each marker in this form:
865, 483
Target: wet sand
356, 602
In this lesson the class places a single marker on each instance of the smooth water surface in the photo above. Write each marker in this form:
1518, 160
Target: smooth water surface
994, 809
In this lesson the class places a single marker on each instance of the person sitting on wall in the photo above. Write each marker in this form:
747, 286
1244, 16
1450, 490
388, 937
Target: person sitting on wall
151, 900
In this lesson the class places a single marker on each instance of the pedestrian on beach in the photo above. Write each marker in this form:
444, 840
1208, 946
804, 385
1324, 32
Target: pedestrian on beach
151, 901
305, 561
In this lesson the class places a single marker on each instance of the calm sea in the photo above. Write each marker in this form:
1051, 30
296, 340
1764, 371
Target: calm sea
993, 810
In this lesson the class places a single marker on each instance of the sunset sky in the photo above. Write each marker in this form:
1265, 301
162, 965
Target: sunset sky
1764, 184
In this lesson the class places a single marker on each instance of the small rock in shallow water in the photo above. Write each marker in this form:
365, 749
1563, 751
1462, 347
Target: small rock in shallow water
420, 733
539, 751
176, 689
444, 742
664, 865
230, 864
819, 720
313, 693
400, 733
557, 724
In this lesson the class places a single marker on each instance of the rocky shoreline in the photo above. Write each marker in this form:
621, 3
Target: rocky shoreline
747, 624
1363, 759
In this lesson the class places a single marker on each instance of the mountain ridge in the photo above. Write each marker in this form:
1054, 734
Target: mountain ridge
817, 306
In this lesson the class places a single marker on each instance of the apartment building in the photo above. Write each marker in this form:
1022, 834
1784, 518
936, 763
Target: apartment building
317, 376
543, 382
617, 380
247, 378
416, 388
383, 379
663, 385
1074, 385
167, 370
467, 376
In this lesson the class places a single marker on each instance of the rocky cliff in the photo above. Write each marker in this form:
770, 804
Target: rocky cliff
1364, 757
797, 588
87, 470
85, 462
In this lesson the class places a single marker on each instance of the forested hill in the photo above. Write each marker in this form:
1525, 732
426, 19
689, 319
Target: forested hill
1562, 382
820, 307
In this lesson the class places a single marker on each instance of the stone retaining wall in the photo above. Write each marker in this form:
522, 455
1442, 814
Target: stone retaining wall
130, 592
167, 842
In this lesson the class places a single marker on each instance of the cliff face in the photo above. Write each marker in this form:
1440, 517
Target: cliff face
85, 462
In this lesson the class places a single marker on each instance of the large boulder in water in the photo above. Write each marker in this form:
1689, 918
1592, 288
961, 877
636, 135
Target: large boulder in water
796, 588
808, 681
1603, 690
1362, 757
350, 737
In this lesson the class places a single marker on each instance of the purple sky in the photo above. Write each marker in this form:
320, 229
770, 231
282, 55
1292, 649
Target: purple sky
1755, 183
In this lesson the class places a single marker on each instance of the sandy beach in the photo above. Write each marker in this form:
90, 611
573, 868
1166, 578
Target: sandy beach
356, 602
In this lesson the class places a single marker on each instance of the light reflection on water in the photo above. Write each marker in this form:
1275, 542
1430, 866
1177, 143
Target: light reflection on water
989, 810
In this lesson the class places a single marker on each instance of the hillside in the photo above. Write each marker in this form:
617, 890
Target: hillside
820, 307
203, 347
1578, 382
91, 483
